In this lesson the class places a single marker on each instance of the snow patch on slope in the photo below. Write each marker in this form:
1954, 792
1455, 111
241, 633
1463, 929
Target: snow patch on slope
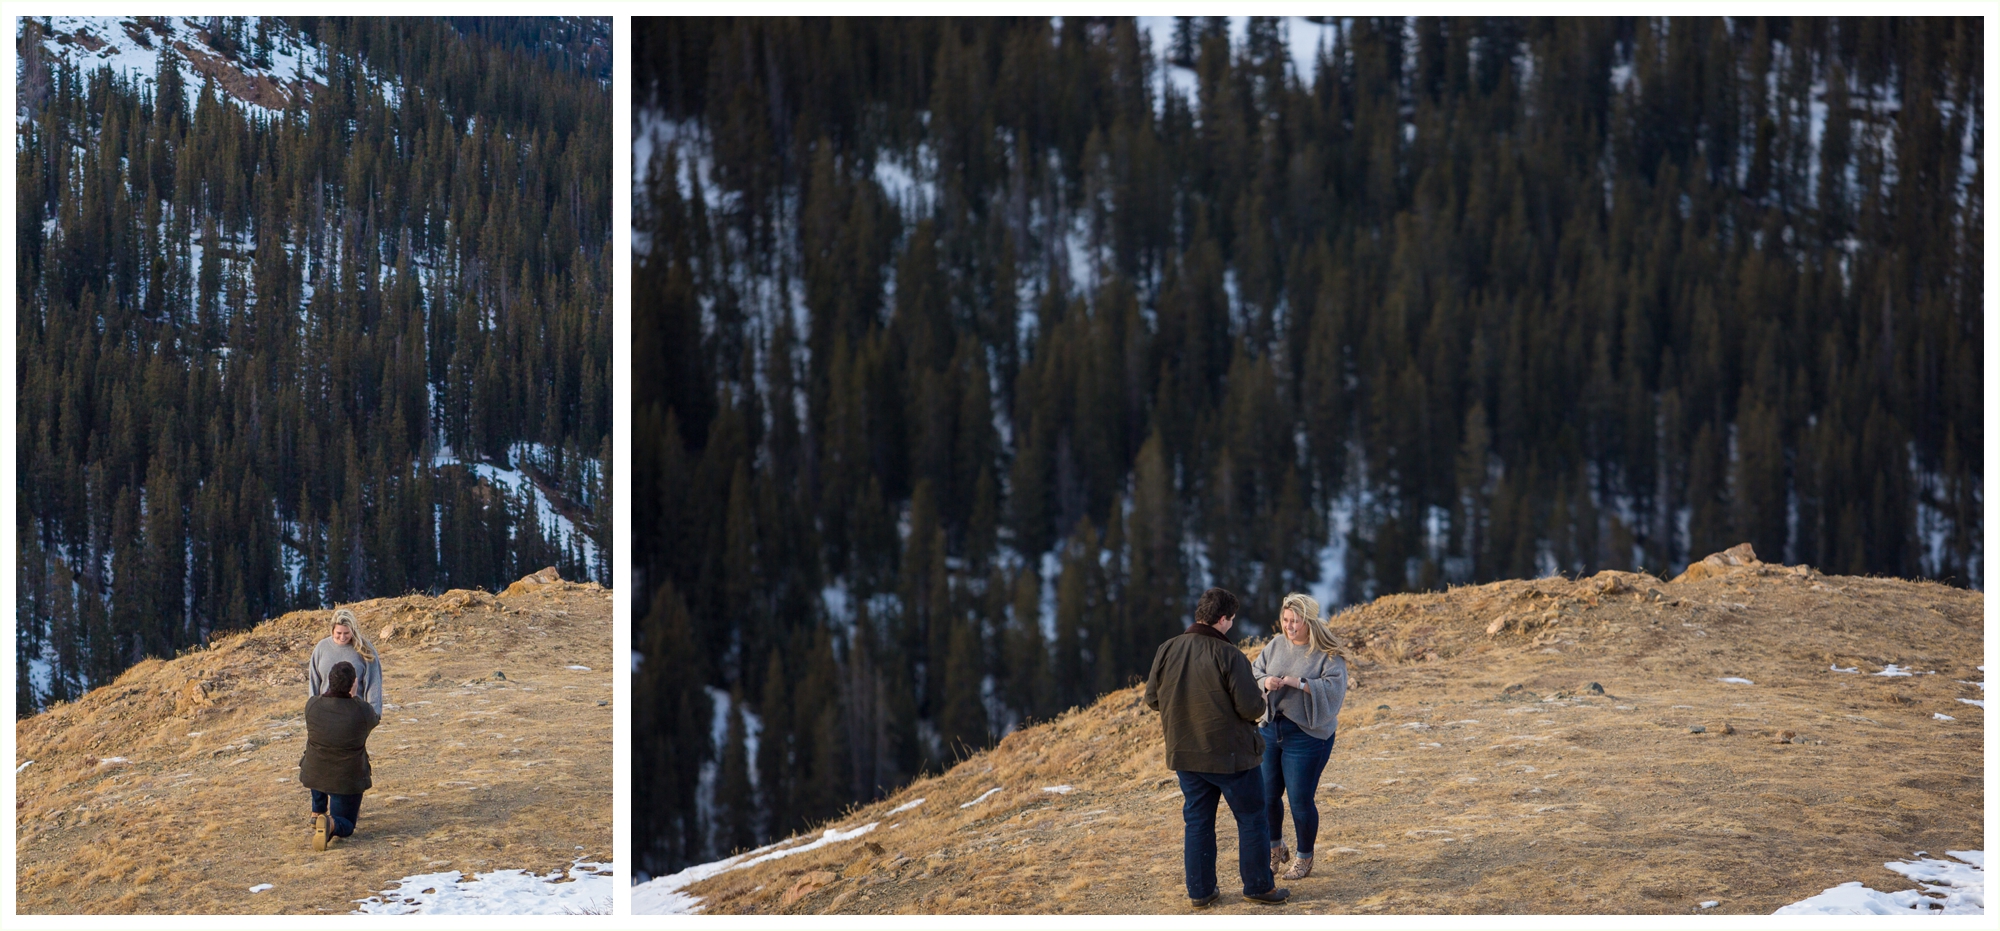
1949, 888
585, 890
291, 58
664, 896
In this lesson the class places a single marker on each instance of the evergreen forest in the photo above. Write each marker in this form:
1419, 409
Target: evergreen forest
297, 335
968, 352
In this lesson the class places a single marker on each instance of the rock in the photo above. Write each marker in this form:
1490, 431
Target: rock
462, 598
807, 885
1784, 736
535, 582
497, 674
1728, 729
1722, 563
1697, 729
192, 697
602, 702
1595, 689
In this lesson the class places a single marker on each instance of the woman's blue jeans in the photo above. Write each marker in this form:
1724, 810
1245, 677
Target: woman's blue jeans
1293, 760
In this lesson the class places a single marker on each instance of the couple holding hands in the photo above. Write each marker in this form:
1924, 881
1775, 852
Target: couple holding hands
1251, 734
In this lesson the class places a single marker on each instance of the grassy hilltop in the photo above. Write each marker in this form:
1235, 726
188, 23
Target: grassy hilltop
1516, 747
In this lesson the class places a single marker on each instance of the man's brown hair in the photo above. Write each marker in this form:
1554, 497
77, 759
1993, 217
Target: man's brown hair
340, 680
1215, 604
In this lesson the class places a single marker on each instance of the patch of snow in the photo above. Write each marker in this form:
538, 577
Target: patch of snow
1848, 669
41, 677
664, 896
126, 57
912, 187
983, 796
584, 668
839, 607
260, 887
1051, 579
1975, 702
1893, 670
1711, 903
585, 889
1059, 790
1948, 888
1736, 680
718, 722
1304, 39
1937, 716
294, 562
110, 760
1332, 585
17, 769
906, 806
558, 529
1083, 257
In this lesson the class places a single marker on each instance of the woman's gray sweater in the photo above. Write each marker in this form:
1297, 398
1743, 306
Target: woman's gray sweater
1315, 710
367, 675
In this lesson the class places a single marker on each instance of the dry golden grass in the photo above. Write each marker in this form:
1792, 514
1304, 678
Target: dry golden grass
1480, 773
175, 788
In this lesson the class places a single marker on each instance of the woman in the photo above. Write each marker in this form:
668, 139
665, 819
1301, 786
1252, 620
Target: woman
335, 765
1304, 681
346, 644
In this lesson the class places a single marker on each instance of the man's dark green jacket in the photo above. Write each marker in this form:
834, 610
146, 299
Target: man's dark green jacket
1208, 702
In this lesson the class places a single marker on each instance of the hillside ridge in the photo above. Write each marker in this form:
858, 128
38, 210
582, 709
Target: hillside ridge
1609, 744
174, 789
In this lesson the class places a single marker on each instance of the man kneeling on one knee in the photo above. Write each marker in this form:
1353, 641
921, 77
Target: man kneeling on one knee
1209, 704
335, 765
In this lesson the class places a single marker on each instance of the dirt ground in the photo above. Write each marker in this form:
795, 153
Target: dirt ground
1549, 766
175, 789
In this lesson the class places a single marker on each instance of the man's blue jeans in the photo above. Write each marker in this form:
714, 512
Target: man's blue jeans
1293, 760
344, 809
1245, 794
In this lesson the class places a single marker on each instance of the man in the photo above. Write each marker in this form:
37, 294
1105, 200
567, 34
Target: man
335, 764
1209, 705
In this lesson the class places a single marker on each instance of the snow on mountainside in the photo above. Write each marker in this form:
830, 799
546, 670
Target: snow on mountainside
265, 70
554, 517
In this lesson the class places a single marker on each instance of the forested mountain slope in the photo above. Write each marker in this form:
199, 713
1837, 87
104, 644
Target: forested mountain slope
1731, 742
971, 350
309, 310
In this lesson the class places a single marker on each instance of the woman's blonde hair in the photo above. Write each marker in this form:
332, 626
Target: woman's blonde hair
345, 618
1318, 636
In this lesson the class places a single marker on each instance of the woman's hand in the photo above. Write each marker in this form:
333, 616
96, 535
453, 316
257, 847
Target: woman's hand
1273, 683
